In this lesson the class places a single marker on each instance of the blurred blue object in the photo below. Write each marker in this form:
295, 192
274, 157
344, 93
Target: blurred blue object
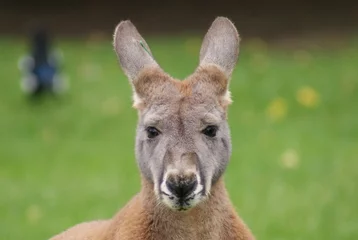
41, 68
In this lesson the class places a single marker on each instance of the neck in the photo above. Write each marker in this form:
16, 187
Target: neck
214, 218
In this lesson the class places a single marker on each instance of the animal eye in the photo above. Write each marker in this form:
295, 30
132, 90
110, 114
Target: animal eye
210, 131
152, 132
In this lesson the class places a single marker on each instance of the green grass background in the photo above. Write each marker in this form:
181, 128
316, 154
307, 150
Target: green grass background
71, 159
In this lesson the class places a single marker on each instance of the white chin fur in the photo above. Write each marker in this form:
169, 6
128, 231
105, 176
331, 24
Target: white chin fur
173, 202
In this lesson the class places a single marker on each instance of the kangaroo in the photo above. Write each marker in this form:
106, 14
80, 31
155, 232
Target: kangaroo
182, 146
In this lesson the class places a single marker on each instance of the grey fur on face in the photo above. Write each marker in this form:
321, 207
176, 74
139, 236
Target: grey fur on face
183, 140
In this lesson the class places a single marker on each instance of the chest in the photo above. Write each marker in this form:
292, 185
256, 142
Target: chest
193, 233
172, 230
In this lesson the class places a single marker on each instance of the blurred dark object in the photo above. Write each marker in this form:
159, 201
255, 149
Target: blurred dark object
41, 67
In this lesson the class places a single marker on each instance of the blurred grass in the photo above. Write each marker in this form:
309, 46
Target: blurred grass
293, 173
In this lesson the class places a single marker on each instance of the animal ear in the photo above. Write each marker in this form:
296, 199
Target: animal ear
132, 51
221, 46
137, 62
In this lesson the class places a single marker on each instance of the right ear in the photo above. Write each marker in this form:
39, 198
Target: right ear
132, 51
136, 60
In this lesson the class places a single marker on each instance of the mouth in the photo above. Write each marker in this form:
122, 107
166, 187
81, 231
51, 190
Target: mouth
182, 204
181, 191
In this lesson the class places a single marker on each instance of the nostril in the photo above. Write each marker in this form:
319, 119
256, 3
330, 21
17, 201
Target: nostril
181, 189
172, 186
189, 187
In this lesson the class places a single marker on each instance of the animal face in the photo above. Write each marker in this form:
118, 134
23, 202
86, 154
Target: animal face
183, 140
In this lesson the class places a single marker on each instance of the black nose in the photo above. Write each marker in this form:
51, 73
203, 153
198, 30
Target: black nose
183, 187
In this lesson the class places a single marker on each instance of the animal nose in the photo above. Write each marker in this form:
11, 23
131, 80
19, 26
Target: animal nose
181, 188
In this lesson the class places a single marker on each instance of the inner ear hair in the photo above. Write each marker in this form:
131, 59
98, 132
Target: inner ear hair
210, 81
152, 85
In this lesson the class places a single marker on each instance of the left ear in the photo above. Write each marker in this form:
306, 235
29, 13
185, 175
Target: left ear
221, 46
218, 56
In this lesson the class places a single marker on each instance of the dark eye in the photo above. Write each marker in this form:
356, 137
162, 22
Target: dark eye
210, 131
152, 132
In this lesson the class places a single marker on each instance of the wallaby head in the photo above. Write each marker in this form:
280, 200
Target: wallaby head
183, 141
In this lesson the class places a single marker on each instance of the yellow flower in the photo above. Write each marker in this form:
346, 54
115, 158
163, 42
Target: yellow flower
307, 97
277, 109
33, 214
290, 159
